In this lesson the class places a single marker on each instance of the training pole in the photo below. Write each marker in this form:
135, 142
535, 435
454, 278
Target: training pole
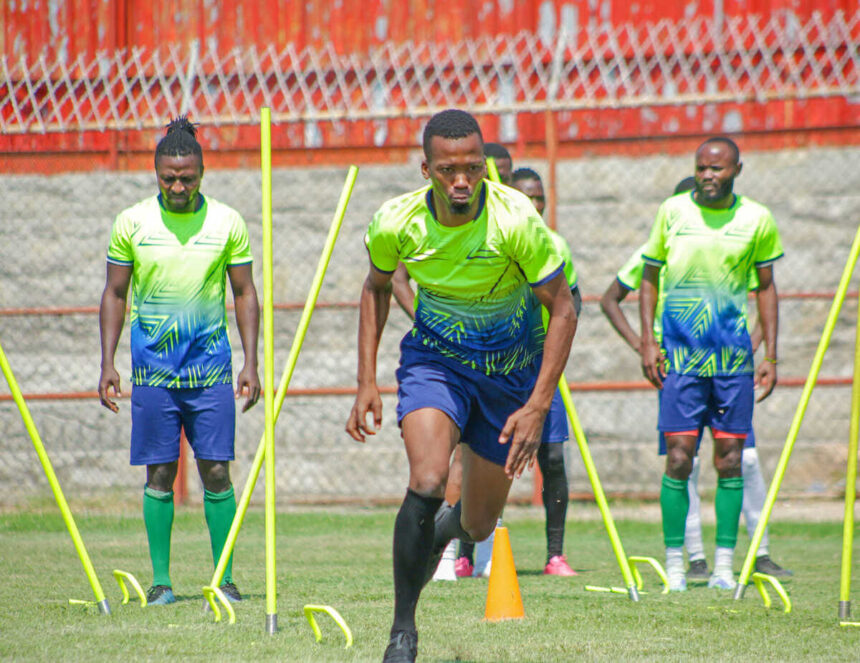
599, 495
811, 379
850, 484
102, 602
287, 375
268, 370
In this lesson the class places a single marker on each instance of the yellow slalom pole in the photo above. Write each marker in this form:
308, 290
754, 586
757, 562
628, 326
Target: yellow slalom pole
850, 484
794, 429
104, 607
596, 486
287, 375
492, 171
268, 370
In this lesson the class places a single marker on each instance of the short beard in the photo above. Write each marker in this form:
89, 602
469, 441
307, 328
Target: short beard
724, 191
459, 209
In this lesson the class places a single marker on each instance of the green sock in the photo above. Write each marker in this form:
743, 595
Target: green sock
674, 504
727, 504
220, 509
158, 519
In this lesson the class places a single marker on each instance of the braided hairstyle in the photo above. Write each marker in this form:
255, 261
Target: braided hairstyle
180, 140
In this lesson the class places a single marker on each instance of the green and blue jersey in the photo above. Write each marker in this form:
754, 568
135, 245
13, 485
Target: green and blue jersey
178, 315
706, 257
474, 302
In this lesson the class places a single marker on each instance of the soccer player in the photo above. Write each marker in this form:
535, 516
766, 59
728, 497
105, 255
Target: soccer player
464, 564
628, 279
476, 366
707, 244
550, 455
174, 249
504, 163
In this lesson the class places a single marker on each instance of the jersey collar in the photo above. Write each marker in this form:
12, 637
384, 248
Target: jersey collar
482, 199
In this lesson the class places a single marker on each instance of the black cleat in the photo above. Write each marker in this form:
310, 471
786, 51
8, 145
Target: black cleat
765, 564
402, 647
698, 571
231, 592
160, 595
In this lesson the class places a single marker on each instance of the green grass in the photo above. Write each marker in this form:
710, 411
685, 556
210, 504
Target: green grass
342, 558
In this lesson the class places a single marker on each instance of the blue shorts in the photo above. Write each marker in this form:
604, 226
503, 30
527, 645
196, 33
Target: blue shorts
690, 402
208, 415
555, 425
478, 404
749, 442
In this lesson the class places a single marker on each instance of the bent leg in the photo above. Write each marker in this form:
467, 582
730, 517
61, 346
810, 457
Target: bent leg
485, 491
555, 495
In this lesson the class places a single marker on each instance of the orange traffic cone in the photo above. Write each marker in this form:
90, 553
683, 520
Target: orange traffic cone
503, 592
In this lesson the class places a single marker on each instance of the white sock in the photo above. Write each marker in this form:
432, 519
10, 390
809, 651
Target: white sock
693, 529
723, 559
755, 492
674, 559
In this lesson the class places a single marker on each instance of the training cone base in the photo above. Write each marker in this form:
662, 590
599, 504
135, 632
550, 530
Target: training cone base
503, 592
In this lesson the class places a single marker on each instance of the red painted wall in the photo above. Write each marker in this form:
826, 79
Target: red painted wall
86, 28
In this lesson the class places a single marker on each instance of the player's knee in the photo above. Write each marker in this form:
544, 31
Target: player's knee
749, 460
552, 465
430, 483
678, 464
479, 531
728, 465
214, 475
161, 476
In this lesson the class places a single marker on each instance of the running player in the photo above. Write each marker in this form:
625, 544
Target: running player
707, 243
477, 364
175, 248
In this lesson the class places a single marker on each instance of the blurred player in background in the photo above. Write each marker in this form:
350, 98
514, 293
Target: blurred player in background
555, 493
706, 244
755, 491
175, 249
477, 366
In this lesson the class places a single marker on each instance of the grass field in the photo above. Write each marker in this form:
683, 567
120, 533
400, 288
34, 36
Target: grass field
342, 558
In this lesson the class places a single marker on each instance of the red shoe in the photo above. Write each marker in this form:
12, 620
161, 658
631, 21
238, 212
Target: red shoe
558, 566
463, 567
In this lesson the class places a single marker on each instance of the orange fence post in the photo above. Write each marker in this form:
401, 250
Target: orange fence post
180, 484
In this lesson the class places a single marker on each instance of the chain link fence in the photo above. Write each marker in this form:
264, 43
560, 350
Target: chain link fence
54, 229
53, 238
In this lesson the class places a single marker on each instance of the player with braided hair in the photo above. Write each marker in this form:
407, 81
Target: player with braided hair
176, 250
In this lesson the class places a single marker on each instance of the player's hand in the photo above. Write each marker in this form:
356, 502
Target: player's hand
524, 430
367, 400
765, 379
109, 379
248, 383
653, 363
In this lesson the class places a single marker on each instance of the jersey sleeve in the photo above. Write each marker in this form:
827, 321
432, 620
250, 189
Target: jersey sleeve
240, 247
120, 250
654, 251
563, 248
533, 249
630, 274
382, 244
768, 246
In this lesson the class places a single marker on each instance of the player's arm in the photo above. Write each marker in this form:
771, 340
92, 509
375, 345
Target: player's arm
649, 350
248, 321
768, 315
373, 306
111, 318
610, 304
524, 428
403, 293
